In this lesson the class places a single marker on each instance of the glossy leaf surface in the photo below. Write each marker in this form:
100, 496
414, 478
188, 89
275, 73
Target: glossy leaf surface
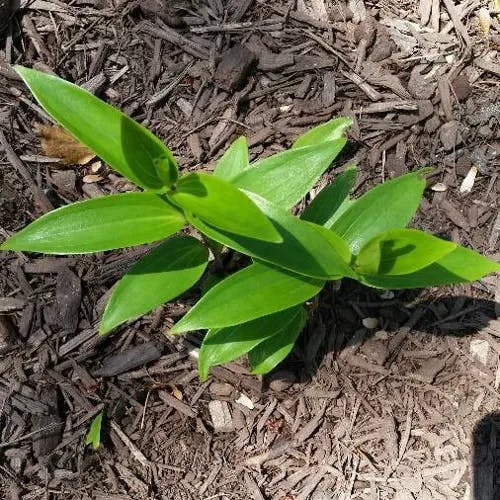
257, 290
222, 205
459, 266
329, 131
324, 207
161, 275
121, 142
234, 160
304, 249
387, 206
401, 251
269, 353
226, 344
106, 223
285, 178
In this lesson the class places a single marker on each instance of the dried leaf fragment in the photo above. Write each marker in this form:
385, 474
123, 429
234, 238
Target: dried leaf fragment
495, 6
484, 19
370, 323
58, 143
439, 187
91, 178
468, 182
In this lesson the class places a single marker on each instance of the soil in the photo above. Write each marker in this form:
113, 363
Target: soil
404, 410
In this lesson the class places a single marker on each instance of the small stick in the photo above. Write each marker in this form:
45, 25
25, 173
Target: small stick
136, 453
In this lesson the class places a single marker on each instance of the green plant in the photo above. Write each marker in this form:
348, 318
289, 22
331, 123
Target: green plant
258, 310
93, 436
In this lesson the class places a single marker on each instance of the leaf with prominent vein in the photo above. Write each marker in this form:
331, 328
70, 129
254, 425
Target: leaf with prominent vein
222, 205
226, 344
106, 223
462, 265
285, 178
234, 161
121, 142
255, 291
161, 275
387, 206
401, 251
268, 354
305, 248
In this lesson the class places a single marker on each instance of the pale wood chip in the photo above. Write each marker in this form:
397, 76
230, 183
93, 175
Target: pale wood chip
136, 453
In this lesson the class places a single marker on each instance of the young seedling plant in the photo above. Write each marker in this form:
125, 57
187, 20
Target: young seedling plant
258, 310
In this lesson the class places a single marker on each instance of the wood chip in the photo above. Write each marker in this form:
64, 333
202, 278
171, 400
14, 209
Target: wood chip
429, 369
46, 441
454, 215
479, 350
450, 135
11, 304
68, 298
221, 416
177, 404
424, 9
245, 401
6, 333
328, 95
234, 68
253, 488
488, 65
130, 359
358, 9
135, 452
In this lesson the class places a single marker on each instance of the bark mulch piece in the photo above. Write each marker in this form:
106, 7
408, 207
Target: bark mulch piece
381, 397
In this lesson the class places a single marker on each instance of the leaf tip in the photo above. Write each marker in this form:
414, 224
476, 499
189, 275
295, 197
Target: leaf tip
275, 236
19, 69
104, 328
5, 245
423, 172
178, 328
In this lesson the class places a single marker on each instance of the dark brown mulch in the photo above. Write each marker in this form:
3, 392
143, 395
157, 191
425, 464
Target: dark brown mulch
386, 412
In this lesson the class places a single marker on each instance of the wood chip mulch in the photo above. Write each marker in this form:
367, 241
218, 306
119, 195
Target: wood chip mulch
404, 410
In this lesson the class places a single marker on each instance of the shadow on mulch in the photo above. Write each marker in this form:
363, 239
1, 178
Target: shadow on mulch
486, 458
335, 323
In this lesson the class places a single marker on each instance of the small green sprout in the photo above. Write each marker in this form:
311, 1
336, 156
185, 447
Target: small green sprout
93, 436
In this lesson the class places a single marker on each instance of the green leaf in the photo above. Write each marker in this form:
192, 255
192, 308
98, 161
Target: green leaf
387, 206
234, 160
286, 177
459, 266
161, 275
223, 206
224, 345
266, 355
401, 251
106, 223
305, 248
93, 436
120, 141
329, 131
323, 209
255, 291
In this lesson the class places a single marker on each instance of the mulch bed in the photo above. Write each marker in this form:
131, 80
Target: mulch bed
380, 413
